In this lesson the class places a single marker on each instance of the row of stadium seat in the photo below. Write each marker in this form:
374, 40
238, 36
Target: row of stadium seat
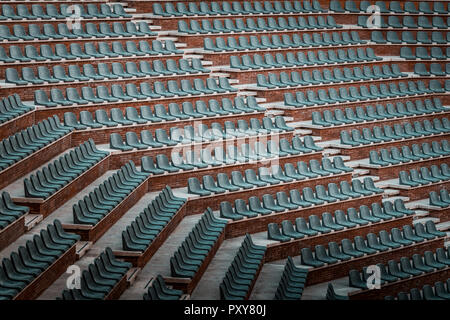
422, 53
243, 270
314, 77
32, 259
423, 176
292, 282
51, 178
340, 221
117, 94
441, 199
385, 157
158, 290
28, 141
353, 94
402, 269
48, 32
179, 9
99, 279
9, 211
435, 69
159, 113
359, 247
90, 51
20, 11
397, 132
249, 25
265, 42
12, 107
191, 254
108, 195
141, 232
422, 37
328, 118
291, 59
104, 71
436, 292
408, 22
265, 176
394, 7
307, 198
232, 155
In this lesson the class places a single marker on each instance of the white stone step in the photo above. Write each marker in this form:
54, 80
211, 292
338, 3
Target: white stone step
390, 192
360, 172
246, 93
275, 113
330, 152
443, 226
163, 33
191, 56
268, 105
392, 199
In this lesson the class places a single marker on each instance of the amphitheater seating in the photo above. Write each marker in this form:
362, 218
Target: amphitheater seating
250, 25
221, 157
99, 279
179, 9
242, 273
32, 259
9, 211
159, 113
103, 72
89, 31
441, 199
307, 198
423, 54
91, 11
265, 177
12, 107
158, 290
421, 37
295, 79
45, 182
140, 233
439, 291
435, 69
404, 268
387, 157
394, 7
30, 140
247, 62
379, 112
375, 243
188, 135
362, 93
397, 132
422, 176
266, 42
98, 203
88, 51
408, 22
191, 254
292, 282
160, 91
